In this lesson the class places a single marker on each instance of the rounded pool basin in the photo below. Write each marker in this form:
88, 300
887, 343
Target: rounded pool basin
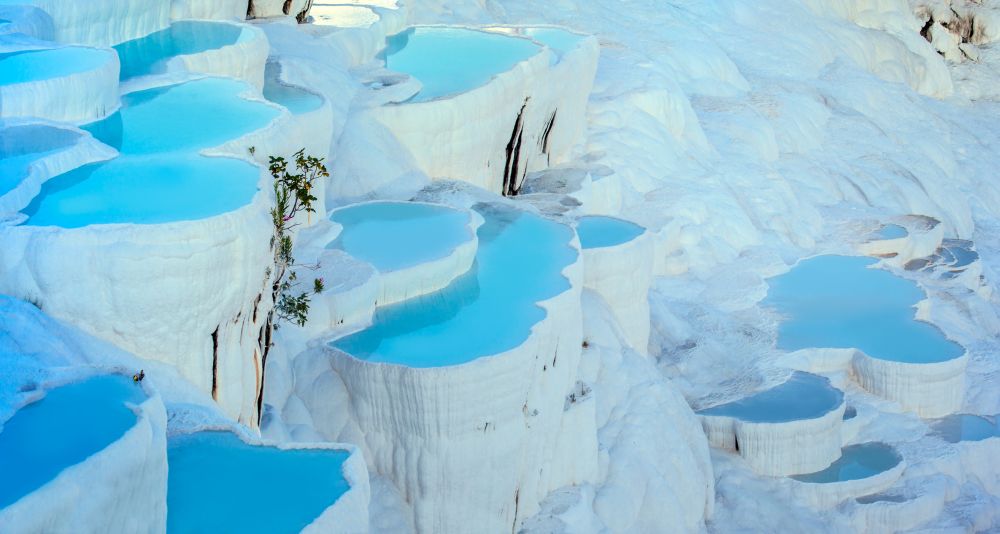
855, 463
396, 235
20, 145
841, 302
802, 396
217, 482
597, 231
488, 310
35, 65
147, 55
965, 427
448, 61
68, 425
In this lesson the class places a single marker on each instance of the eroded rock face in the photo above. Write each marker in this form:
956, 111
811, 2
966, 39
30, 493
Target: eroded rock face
957, 27
278, 8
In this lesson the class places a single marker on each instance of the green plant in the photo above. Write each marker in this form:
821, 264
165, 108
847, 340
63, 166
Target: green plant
292, 195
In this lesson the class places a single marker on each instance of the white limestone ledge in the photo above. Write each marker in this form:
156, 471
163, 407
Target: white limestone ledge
122, 487
26, 20
310, 130
78, 97
622, 274
477, 443
359, 30
65, 147
349, 514
929, 389
208, 10
351, 290
493, 134
103, 22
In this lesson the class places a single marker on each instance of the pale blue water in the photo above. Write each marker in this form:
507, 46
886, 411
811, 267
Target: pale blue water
489, 310
67, 426
395, 235
597, 231
219, 483
840, 302
957, 253
23, 144
803, 396
144, 190
147, 55
966, 427
190, 116
855, 463
892, 231
559, 40
297, 101
159, 176
448, 61
35, 65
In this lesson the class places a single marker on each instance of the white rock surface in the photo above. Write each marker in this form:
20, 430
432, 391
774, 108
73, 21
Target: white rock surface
103, 22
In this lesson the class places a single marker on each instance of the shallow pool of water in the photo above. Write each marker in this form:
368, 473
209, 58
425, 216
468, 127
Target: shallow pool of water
448, 61
597, 231
892, 231
802, 396
34, 65
189, 116
148, 55
966, 427
296, 100
856, 462
842, 302
23, 144
559, 40
67, 426
396, 235
489, 310
219, 483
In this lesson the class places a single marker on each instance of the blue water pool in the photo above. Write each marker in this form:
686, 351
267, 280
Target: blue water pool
842, 302
188, 116
850, 412
297, 101
147, 55
559, 40
803, 396
448, 61
219, 483
597, 231
23, 144
67, 426
159, 176
396, 235
144, 190
892, 231
488, 310
855, 463
966, 427
35, 65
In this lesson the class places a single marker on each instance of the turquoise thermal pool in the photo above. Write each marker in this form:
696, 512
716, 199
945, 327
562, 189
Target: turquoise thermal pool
23, 144
597, 231
842, 302
803, 396
558, 39
148, 55
216, 481
892, 231
396, 235
486, 311
448, 61
35, 65
296, 100
68, 425
855, 463
159, 176
966, 427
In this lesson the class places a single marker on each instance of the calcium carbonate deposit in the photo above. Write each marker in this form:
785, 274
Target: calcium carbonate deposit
499, 266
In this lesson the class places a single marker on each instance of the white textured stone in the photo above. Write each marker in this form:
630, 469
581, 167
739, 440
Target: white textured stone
929, 389
103, 22
208, 9
830, 494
